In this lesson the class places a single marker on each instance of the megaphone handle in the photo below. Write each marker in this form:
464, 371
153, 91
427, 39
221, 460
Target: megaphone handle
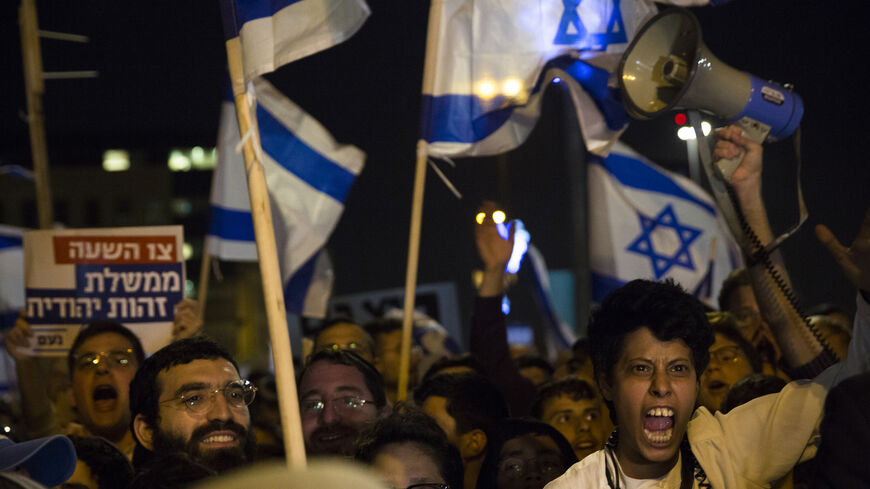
750, 128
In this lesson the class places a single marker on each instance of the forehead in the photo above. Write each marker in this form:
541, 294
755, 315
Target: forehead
642, 343
721, 341
215, 372
743, 297
565, 402
342, 334
326, 379
104, 342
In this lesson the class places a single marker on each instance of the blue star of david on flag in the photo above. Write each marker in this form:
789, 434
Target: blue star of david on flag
571, 21
643, 244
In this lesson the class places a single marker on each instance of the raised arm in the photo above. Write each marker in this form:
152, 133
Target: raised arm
804, 353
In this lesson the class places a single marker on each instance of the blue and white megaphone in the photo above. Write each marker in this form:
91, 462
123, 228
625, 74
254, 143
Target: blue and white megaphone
667, 67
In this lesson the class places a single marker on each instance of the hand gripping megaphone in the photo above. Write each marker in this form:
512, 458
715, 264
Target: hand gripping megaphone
667, 67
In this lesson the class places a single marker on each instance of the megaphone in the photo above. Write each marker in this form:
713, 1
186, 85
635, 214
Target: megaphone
667, 67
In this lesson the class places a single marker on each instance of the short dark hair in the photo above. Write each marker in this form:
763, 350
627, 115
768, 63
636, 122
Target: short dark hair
508, 429
371, 376
664, 307
410, 425
572, 387
472, 400
750, 387
108, 465
725, 324
144, 394
98, 327
736, 279
336, 320
461, 360
528, 360
382, 326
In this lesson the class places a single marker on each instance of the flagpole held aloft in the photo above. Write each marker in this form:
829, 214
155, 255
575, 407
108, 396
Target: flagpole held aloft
285, 380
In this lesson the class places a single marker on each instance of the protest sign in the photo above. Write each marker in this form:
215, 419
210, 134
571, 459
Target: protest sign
134, 276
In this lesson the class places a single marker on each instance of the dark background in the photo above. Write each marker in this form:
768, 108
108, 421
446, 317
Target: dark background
162, 72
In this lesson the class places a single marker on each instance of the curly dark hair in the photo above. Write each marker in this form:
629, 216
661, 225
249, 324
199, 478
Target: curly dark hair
410, 425
664, 307
372, 377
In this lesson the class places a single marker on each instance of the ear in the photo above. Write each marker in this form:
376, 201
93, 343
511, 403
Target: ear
143, 431
472, 444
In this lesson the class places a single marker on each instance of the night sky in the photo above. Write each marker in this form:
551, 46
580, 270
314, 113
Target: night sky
162, 77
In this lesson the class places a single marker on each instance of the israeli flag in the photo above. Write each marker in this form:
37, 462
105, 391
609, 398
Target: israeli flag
273, 33
646, 222
487, 65
11, 275
308, 175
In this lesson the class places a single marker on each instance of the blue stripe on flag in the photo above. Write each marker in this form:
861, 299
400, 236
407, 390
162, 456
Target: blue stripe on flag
602, 285
464, 118
637, 174
298, 158
231, 224
10, 241
297, 287
243, 11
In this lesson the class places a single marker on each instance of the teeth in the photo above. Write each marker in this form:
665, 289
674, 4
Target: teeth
659, 436
660, 412
219, 439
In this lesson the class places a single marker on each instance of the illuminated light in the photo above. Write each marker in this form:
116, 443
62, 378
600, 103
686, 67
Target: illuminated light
203, 159
178, 161
680, 119
116, 160
480, 217
485, 89
687, 133
498, 217
7, 429
626, 76
187, 251
189, 290
505, 305
512, 87
557, 80
521, 246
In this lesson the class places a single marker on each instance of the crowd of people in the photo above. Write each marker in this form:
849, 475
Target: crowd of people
664, 392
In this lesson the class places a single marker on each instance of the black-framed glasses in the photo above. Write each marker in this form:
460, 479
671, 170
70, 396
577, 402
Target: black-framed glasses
345, 405
114, 358
726, 354
238, 394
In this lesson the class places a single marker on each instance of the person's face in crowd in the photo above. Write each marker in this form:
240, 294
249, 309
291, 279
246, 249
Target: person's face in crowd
654, 387
103, 368
536, 375
728, 364
345, 336
404, 464
745, 308
335, 403
575, 368
389, 350
529, 462
219, 436
580, 421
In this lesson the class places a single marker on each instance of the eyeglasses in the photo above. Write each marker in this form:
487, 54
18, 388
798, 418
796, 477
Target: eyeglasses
343, 406
726, 354
238, 394
115, 358
352, 346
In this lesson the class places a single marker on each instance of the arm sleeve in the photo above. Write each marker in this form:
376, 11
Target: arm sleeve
489, 344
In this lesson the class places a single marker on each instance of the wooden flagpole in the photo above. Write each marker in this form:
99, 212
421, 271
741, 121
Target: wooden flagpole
34, 86
417, 213
202, 291
285, 380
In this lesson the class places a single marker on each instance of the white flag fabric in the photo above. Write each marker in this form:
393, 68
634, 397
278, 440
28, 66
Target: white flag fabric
11, 275
276, 32
308, 175
489, 61
647, 222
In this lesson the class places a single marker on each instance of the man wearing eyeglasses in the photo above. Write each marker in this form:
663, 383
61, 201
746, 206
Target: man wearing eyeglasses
339, 392
188, 398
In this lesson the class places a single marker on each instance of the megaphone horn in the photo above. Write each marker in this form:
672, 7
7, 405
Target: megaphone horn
667, 67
